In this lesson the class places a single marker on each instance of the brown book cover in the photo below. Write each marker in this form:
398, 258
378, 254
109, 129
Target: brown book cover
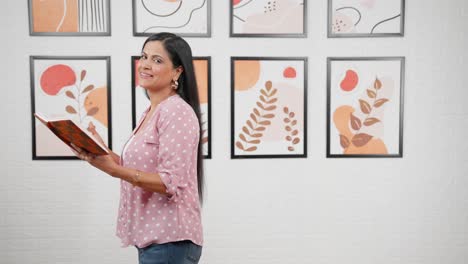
69, 132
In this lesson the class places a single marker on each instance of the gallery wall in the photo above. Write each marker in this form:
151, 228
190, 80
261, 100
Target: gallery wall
312, 208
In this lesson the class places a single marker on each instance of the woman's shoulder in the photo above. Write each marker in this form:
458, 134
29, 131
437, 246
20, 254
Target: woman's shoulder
176, 106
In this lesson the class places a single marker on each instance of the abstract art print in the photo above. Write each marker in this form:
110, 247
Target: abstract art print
184, 18
268, 107
268, 18
69, 18
365, 107
366, 18
202, 66
76, 88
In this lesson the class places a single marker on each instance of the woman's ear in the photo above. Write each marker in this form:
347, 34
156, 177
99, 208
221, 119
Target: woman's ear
178, 71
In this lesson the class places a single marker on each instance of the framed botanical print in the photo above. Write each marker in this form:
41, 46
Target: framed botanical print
202, 66
268, 107
69, 18
77, 88
184, 18
365, 107
268, 18
366, 18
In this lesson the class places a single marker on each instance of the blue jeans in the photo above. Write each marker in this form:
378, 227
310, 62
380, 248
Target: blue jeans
183, 252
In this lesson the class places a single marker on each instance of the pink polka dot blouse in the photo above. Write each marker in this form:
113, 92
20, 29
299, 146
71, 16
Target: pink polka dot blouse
168, 145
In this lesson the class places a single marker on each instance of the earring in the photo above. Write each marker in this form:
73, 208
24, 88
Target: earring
175, 85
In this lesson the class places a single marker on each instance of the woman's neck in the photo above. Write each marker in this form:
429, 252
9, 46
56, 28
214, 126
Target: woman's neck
157, 97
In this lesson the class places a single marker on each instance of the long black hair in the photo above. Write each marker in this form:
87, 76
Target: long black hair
180, 54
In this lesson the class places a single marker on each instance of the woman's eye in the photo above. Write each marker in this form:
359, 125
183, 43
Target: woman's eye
158, 61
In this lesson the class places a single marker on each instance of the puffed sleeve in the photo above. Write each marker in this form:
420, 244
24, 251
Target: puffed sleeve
178, 130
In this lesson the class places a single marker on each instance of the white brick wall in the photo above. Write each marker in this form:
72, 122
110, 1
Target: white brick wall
314, 210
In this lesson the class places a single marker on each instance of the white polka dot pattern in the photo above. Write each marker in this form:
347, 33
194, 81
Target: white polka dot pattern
168, 146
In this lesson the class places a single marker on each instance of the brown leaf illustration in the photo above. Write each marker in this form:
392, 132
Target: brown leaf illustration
70, 109
365, 107
268, 116
239, 145
251, 148
288, 128
255, 141
294, 122
260, 105
291, 115
262, 99
242, 137
265, 123
370, 121
83, 74
268, 85
295, 132
296, 140
249, 124
377, 84
286, 120
263, 92
371, 93
380, 102
244, 128
291, 148
260, 128
93, 111
88, 88
344, 141
288, 138
253, 118
273, 92
272, 101
256, 112
270, 108
286, 110
257, 135
355, 122
70, 94
361, 139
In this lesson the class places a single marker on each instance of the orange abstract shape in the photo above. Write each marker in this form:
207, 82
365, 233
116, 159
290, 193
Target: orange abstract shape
56, 77
289, 72
96, 104
201, 73
235, 2
247, 73
341, 119
55, 15
350, 81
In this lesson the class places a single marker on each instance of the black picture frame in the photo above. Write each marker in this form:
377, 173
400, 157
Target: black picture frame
91, 15
234, 130
33, 60
400, 104
208, 151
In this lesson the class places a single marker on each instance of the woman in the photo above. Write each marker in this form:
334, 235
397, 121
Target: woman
161, 167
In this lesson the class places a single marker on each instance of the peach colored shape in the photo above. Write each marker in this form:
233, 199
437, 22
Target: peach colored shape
201, 73
48, 14
98, 98
246, 74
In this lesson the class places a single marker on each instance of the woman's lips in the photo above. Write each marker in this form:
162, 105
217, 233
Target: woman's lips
145, 75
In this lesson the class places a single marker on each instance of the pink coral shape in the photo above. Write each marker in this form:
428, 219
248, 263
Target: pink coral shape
56, 77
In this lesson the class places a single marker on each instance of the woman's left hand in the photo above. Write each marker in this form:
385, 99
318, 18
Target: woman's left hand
103, 162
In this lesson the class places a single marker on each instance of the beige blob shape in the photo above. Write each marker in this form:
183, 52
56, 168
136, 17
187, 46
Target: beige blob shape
97, 98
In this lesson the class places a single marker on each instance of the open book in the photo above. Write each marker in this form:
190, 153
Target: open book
69, 132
